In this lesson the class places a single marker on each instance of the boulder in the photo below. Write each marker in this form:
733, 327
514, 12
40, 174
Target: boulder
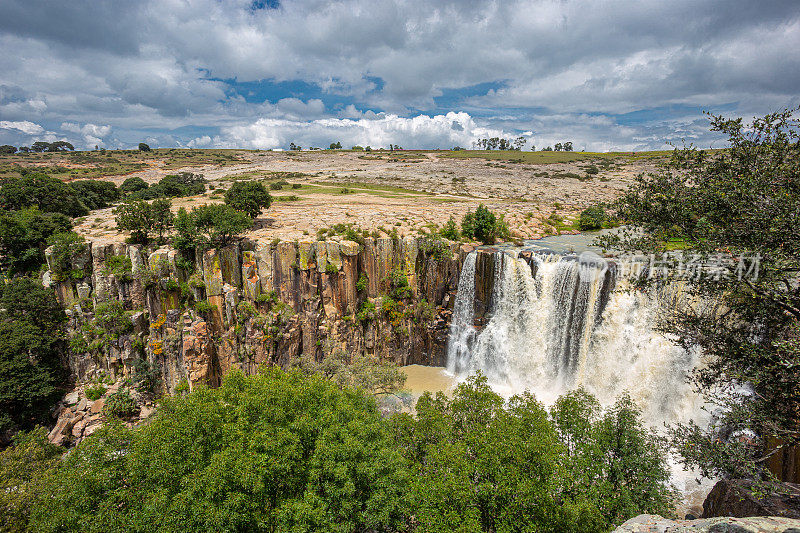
655, 524
735, 497
97, 406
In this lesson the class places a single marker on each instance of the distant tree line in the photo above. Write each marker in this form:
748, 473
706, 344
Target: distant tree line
38, 146
498, 143
559, 147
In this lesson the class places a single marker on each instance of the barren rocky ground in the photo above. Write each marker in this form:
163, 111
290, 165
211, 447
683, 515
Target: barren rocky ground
406, 192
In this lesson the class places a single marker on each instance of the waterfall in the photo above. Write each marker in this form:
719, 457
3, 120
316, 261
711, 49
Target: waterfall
556, 322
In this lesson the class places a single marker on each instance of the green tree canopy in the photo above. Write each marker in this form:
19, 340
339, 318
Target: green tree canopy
209, 225
49, 195
142, 218
736, 210
31, 336
249, 197
23, 237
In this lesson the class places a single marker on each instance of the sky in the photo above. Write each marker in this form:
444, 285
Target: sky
603, 74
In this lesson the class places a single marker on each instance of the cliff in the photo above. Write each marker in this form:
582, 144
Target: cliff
195, 316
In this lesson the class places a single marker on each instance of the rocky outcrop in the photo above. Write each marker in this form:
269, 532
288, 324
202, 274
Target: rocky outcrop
196, 317
656, 524
736, 497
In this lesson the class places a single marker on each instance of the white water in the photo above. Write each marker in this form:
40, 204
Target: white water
566, 327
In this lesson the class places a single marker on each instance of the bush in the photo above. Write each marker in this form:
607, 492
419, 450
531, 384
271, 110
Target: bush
65, 246
96, 194
49, 195
95, 392
144, 147
592, 218
131, 185
450, 230
209, 225
483, 225
31, 340
23, 237
120, 405
249, 197
141, 218
173, 186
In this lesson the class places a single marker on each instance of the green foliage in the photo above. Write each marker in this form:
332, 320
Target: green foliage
317, 459
245, 310
362, 283
22, 467
483, 225
143, 147
120, 405
366, 311
249, 197
131, 185
203, 306
398, 285
450, 230
209, 225
49, 195
65, 246
481, 464
120, 266
592, 218
435, 247
95, 391
173, 186
739, 202
142, 218
23, 236
96, 194
31, 337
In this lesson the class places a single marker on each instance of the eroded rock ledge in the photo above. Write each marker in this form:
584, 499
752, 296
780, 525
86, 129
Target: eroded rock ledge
254, 302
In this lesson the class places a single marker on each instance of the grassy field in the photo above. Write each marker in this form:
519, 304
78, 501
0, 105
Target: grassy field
544, 158
95, 164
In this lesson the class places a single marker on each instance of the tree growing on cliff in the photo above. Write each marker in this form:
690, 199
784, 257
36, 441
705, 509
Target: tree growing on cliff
23, 238
249, 197
209, 225
735, 211
31, 336
143, 218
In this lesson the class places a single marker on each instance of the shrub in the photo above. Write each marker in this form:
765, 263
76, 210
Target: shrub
592, 218
65, 246
450, 230
203, 306
143, 147
96, 194
120, 405
483, 225
49, 195
141, 218
249, 197
361, 284
23, 235
131, 185
95, 391
276, 186
209, 225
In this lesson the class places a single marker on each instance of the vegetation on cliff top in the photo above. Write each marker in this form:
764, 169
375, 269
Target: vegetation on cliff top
295, 452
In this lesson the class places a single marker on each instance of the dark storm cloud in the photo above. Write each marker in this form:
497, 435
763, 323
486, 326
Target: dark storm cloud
552, 68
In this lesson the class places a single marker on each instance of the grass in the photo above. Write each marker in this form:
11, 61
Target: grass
545, 158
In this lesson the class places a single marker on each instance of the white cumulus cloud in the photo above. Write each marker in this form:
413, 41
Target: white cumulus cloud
25, 126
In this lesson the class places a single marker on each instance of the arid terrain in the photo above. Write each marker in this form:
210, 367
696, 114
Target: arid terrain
407, 192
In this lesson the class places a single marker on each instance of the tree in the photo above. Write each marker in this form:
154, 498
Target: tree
483, 225
141, 218
547, 149
31, 337
558, 147
318, 459
249, 197
209, 225
592, 218
40, 146
96, 194
144, 147
519, 142
23, 235
732, 210
59, 146
35, 189
568, 146
131, 185
8, 149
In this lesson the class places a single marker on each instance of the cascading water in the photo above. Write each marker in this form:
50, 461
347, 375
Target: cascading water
555, 323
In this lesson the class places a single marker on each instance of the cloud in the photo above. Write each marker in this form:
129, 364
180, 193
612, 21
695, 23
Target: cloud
443, 131
167, 68
24, 126
92, 133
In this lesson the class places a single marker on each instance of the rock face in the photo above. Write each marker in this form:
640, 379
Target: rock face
734, 497
656, 524
195, 318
